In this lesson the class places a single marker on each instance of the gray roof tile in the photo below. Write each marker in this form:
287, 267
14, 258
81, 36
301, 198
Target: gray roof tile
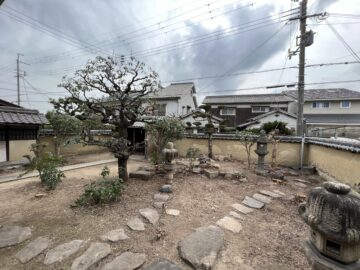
235, 99
326, 94
174, 90
18, 115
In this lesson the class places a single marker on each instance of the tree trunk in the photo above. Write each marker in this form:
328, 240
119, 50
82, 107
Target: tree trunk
122, 169
57, 148
210, 146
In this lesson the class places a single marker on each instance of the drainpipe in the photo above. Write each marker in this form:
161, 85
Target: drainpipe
302, 152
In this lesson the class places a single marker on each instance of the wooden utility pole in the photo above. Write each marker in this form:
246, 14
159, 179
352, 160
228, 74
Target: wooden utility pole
301, 79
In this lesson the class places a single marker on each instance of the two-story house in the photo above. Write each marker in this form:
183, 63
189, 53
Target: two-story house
237, 110
329, 112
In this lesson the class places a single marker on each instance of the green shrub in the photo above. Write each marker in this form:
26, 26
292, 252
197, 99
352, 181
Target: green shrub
276, 125
101, 191
191, 154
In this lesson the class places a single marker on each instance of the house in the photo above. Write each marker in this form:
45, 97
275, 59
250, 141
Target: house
330, 112
193, 117
238, 109
19, 128
271, 116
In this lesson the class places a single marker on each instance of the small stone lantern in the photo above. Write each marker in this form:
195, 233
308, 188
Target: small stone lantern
261, 150
169, 154
333, 214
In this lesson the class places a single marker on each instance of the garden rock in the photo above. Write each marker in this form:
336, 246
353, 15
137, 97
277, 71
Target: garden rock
230, 224
235, 215
203, 159
302, 185
172, 212
302, 181
163, 264
241, 208
277, 175
150, 215
196, 170
251, 202
161, 197
136, 224
158, 205
279, 192
143, 175
12, 235
126, 261
211, 173
202, 247
63, 251
92, 255
166, 189
33, 249
262, 198
115, 235
270, 193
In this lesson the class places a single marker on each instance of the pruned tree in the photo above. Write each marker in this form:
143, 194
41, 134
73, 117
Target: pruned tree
113, 91
247, 139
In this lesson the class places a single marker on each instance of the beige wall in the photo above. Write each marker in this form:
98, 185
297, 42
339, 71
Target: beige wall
287, 153
334, 108
17, 149
342, 165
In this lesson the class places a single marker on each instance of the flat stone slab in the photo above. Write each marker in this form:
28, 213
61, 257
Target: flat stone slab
300, 184
141, 174
150, 215
33, 249
158, 205
63, 251
126, 261
136, 224
166, 189
114, 235
270, 193
92, 255
161, 197
302, 181
241, 208
211, 173
230, 224
172, 212
201, 248
279, 192
12, 235
262, 198
163, 264
251, 202
236, 215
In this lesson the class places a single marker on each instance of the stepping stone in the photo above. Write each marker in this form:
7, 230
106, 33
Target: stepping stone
63, 251
136, 224
241, 208
114, 235
236, 215
172, 212
12, 235
262, 198
201, 248
279, 192
251, 202
92, 255
158, 205
230, 224
211, 173
33, 249
302, 181
143, 175
196, 170
126, 261
161, 197
163, 264
166, 189
150, 215
300, 185
270, 194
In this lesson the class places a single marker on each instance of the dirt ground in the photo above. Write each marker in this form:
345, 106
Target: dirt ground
270, 239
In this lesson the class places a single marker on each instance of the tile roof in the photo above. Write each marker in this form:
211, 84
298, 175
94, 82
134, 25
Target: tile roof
326, 94
343, 119
19, 115
175, 90
255, 119
234, 99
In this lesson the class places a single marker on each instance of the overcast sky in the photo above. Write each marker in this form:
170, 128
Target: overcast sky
179, 39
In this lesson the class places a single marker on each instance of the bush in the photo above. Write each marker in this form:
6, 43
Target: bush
46, 164
276, 125
101, 191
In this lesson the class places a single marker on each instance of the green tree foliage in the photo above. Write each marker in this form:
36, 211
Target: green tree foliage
162, 131
115, 92
276, 125
46, 164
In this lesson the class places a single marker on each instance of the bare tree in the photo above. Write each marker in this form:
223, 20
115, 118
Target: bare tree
115, 92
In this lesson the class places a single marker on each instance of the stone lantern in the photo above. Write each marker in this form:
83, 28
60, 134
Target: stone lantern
169, 154
261, 150
333, 214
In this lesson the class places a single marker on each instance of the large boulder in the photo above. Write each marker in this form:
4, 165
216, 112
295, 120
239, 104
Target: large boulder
201, 248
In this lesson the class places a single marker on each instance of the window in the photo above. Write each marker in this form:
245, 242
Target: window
227, 111
345, 104
321, 105
260, 109
160, 109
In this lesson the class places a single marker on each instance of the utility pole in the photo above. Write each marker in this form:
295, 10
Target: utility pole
301, 78
18, 77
